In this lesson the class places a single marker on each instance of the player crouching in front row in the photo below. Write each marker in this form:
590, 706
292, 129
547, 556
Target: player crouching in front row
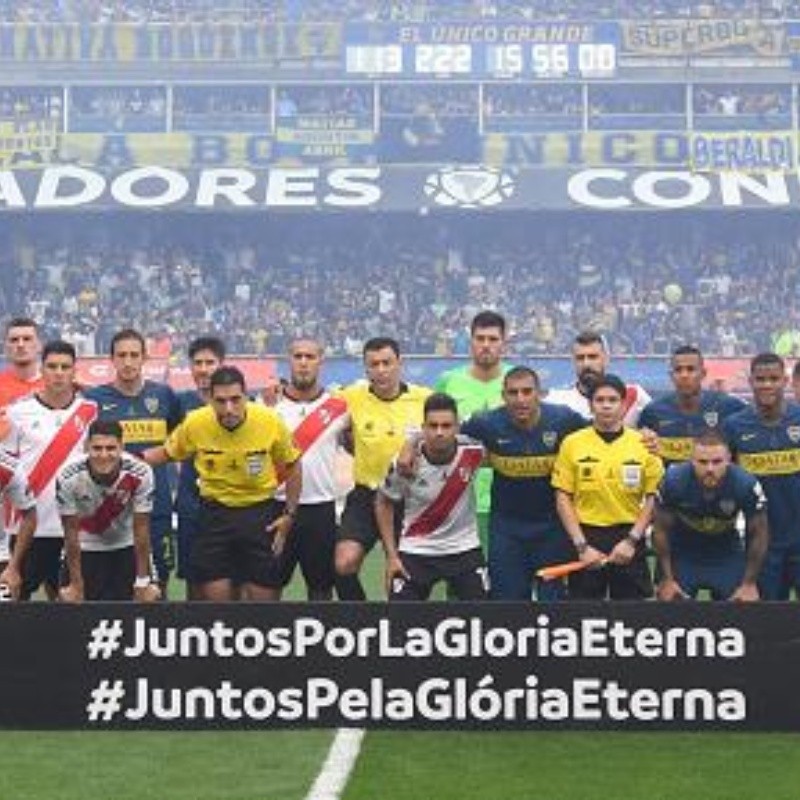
439, 539
105, 500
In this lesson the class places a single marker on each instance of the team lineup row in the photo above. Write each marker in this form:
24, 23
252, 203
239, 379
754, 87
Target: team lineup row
481, 465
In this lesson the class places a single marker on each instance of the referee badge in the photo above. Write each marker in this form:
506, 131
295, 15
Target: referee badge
254, 464
631, 475
727, 507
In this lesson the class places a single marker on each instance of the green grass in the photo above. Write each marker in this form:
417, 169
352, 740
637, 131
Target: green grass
280, 765
576, 766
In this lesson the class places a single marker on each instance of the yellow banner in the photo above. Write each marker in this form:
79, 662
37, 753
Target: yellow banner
697, 37
158, 43
775, 462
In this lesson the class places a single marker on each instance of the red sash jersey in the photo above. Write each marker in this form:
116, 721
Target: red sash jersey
45, 439
106, 511
316, 427
440, 515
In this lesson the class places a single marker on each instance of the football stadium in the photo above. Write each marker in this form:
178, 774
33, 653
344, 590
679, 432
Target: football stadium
499, 286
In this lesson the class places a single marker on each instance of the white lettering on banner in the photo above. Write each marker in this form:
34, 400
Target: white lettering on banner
435, 699
68, 186
609, 189
453, 638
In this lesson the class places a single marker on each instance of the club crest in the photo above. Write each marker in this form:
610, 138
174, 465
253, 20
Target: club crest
793, 432
711, 419
151, 404
550, 438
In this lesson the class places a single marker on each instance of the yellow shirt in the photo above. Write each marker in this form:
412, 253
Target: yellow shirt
380, 428
236, 468
608, 481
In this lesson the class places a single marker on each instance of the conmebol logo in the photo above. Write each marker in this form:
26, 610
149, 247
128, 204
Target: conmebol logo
469, 187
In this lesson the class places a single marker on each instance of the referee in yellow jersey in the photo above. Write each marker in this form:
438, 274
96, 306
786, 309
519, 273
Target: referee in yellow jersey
237, 447
383, 413
605, 481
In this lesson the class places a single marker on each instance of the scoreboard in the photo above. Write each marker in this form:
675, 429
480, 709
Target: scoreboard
477, 51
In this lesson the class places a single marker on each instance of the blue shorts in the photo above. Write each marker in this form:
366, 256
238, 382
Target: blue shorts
720, 575
517, 549
781, 572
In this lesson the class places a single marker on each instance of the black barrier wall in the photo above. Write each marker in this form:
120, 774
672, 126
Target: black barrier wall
632, 666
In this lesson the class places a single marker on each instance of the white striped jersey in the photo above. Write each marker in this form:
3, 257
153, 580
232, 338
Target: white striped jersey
14, 486
105, 510
317, 426
45, 439
440, 513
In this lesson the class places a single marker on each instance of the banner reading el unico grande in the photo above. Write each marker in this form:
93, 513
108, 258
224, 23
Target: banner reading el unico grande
233, 42
421, 189
646, 666
349, 137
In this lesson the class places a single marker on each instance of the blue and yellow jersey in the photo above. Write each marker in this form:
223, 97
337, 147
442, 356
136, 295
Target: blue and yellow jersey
704, 520
522, 459
676, 429
187, 497
146, 419
771, 452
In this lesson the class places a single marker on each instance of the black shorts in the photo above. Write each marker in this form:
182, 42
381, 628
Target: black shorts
358, 519
233, 543
107, 574
310, 544
42, 564
465, 574
612, 582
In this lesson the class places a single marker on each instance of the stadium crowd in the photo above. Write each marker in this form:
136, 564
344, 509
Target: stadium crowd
138, 11
730, 285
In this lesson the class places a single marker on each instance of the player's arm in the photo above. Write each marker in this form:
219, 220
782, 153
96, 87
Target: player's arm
73, 591
144, 590
663, 524
384, 518
180, 446
565, 506
624, 550
12, 574
285, 453
757, 544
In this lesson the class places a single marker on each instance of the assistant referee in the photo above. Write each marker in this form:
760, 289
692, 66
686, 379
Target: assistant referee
237, 447
606, 481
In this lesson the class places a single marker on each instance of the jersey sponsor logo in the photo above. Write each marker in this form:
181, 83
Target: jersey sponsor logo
522, 466
774, 462
711, 526
144, 431
675, 448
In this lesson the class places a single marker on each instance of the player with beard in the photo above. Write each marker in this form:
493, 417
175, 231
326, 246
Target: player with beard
694, 528
478, 387
522, 439
690, 410
317, 420
590, 358
206, 354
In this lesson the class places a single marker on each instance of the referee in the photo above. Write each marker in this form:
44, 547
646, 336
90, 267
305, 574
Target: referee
606, 481
238, 448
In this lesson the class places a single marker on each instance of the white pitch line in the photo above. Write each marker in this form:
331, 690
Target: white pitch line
342, 756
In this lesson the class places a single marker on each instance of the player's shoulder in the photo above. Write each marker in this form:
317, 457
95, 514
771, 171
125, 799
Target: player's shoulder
74, 471
744, 417
416, 392
136, 467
